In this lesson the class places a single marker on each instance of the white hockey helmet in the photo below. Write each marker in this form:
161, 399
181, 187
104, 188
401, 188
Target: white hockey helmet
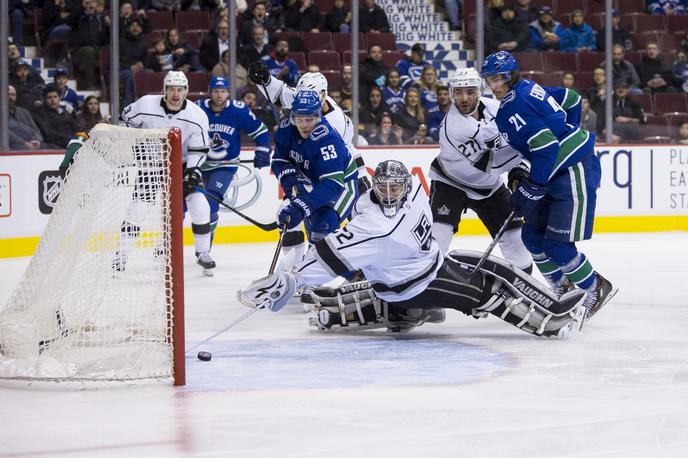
175, 79
314, 81
465, 77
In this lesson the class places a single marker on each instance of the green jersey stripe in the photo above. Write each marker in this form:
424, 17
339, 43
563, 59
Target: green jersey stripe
259, 131
541, 139
334, 176
569, 145
571, 99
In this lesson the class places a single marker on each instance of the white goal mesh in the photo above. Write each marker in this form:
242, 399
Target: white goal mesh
96, 302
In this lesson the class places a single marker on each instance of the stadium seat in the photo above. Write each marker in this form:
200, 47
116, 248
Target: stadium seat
560, 61
640, 40
387, 41
673, 120
634, 57
670, 102
193, 20
589, 61
598, 6
342, 41
649, 22
148, 83
334, 78
583, 81
150, 38
326, 60
317, 41
392, 57
565, 19
193, 37
545, 78
530, 61
300, 59
469, 26
671, 41
566, 6
645, 101
677, 23
161, 20
284, 35
656, 126
198, 82
628, 6
346, 56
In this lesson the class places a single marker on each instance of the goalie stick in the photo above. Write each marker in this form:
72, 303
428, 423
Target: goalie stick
264, 226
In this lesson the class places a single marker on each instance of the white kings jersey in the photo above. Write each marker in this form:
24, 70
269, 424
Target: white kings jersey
473, 153
398, 255
150, 112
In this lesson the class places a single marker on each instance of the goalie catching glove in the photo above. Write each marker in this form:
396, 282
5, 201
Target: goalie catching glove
192, 178
258, 73
271, 292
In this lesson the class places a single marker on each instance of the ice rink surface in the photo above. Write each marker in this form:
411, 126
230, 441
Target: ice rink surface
464, 388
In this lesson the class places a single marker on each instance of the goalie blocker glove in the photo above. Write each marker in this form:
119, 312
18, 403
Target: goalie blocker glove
272, 292
192, 178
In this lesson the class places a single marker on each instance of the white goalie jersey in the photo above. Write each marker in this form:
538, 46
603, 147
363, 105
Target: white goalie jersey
150, 112
473, 153
398, 255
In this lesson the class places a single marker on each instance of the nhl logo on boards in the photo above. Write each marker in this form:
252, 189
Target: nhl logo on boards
49, 185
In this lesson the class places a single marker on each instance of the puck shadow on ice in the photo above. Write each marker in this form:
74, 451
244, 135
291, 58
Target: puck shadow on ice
343, 363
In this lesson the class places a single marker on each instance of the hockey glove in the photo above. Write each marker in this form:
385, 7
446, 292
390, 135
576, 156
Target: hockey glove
258, 73
292, 186
526, 198
363, 185
293, 214
517, 174
261, 159
192, 177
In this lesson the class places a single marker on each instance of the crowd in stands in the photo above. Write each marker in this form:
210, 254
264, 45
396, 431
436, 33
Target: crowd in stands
558, 42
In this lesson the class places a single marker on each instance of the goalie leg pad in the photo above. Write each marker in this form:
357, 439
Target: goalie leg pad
353, 305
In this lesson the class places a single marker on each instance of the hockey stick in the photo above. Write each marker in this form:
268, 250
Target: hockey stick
252, 311
272, 105
482, 260
264, 226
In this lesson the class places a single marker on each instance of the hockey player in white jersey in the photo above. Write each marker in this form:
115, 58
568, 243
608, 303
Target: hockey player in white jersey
172, 109
467, 172
278, 91
409, 281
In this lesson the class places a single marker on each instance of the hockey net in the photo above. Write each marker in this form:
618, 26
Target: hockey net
102, 298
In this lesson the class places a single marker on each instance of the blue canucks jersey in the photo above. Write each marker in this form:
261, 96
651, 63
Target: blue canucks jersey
543, 125
322, 158
409, 72
224, 133
393, 99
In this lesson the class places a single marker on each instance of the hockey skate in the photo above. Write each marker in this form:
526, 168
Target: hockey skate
595, 300
206, 262
406, 320
564, 288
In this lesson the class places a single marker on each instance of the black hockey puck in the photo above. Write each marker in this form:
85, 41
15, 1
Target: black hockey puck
205, 355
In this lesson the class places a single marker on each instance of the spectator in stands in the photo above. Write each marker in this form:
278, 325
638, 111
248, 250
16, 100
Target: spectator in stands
335, 94
493, 12
453, 9
667, 7
69, 100
90, 114
184, 56
683, 45
222, 69
347, 82
680, 71
312, 68
58, 17
255, 50
654, 75
623, 70
166, 5
132, 58
282, 66
428, 85
526, 13
259, 16
339, 18
14, 58
568, 80
506, 34
90, 34
627, 115
161, 59
392, 92
411, 67
412, 116
214, 45
620, 35
249, 96
421, 137
386, 134
373, 69
24, 133
127, 13
27, 86
372, 18
302, 16
13, 55
370, 112
579, 36
435, 117
596, 95
57, 126
588, 116
545, 32
18, 10
682, 133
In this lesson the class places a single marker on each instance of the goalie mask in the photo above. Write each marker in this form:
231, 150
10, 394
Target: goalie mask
391, 186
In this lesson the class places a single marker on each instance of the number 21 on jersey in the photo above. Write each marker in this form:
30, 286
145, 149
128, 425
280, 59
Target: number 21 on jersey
517, 121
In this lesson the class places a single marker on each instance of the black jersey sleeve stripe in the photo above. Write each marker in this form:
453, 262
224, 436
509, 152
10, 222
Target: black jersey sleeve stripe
329, 259
411, 282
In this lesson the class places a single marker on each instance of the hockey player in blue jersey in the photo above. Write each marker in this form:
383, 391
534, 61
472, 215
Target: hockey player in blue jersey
557, 199
310, 154
226, 118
